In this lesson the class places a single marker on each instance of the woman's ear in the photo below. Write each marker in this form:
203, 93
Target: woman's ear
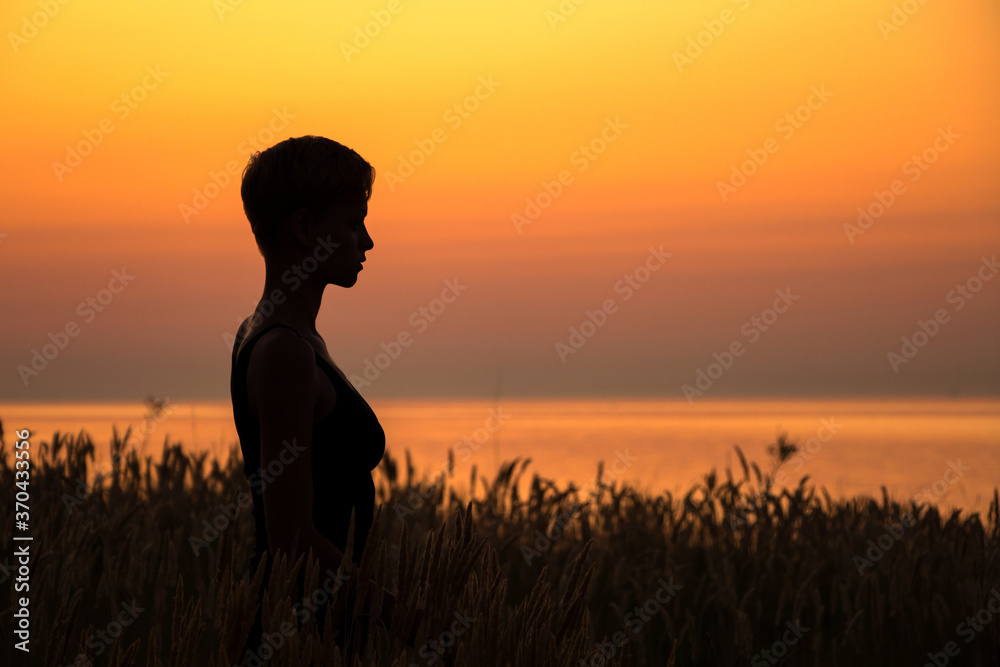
299, 226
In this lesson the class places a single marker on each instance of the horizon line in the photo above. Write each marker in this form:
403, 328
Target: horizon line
582, 398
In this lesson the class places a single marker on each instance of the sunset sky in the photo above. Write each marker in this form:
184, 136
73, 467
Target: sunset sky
534, 157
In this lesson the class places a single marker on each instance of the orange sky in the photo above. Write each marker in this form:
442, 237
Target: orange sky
163, 97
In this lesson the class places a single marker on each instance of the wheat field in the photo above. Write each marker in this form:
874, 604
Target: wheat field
148, 566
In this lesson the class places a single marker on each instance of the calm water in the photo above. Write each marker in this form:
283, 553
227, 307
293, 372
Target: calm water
951, 448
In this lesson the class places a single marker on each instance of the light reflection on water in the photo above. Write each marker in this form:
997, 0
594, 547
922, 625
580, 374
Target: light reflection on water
906, 445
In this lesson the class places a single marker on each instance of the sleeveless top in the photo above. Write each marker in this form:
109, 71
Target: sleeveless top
347, 445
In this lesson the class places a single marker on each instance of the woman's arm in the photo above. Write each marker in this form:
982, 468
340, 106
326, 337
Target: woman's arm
282, 384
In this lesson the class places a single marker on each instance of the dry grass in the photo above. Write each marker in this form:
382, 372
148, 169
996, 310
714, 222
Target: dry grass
788, 558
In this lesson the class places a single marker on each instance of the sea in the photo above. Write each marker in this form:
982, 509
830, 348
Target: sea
943, 450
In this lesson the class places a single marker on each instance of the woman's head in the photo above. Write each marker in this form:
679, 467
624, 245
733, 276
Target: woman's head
312, 173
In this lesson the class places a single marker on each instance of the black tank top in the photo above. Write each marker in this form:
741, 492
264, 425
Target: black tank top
347, 445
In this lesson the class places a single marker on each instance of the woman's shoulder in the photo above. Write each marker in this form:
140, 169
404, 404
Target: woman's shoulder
257, 327
277, 345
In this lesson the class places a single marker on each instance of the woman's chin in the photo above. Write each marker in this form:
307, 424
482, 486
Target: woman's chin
346, 281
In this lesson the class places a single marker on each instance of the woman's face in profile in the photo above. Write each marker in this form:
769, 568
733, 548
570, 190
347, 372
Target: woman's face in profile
343, 225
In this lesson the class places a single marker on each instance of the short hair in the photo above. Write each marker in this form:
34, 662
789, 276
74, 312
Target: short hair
301, 172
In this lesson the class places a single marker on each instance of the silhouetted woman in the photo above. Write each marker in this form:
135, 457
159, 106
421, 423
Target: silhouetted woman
302, 426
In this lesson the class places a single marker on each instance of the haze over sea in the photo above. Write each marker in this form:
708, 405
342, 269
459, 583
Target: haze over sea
949, 449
